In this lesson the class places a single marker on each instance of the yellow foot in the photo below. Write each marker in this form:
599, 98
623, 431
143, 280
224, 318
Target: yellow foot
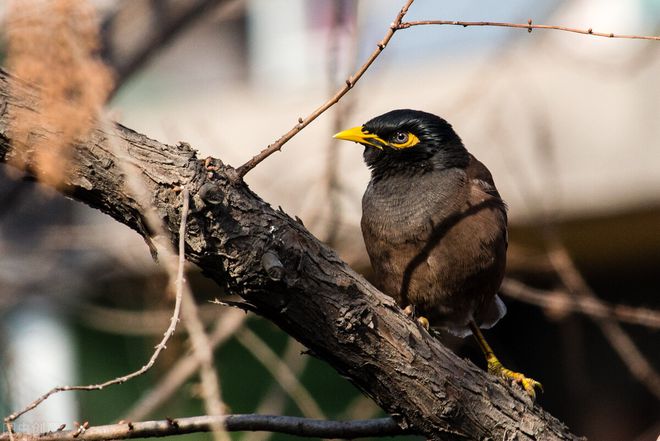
410, 312
530, 385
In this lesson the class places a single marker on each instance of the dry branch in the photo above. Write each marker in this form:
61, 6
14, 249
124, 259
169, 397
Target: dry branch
174, 319
529, 26
350, 82
316, 297
231, 423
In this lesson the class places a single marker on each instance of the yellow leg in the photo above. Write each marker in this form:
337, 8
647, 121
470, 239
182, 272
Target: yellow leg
495, 367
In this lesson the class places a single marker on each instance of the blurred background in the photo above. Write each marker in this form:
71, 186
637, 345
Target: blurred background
567, 123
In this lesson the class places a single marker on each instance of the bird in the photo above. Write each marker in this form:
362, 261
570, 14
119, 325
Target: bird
435, 227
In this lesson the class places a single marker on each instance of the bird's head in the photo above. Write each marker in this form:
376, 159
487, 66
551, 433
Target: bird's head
408, 141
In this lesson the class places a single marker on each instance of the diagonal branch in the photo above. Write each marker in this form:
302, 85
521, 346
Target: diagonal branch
350, 82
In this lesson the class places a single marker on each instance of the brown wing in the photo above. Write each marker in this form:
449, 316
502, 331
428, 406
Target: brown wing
471, 259
449, 263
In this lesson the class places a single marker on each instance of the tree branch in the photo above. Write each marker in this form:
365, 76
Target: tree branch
315, 297
350, 82
230, 423
529, 26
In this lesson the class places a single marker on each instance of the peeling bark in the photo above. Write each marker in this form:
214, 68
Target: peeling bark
313, 295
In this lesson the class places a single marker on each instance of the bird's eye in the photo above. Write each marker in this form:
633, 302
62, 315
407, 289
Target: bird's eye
400, 137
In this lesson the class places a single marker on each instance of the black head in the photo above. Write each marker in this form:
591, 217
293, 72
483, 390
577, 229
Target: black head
408, 141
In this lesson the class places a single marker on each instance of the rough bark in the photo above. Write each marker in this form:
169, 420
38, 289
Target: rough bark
313, 296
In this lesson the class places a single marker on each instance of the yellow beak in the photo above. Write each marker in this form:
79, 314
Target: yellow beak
356, 134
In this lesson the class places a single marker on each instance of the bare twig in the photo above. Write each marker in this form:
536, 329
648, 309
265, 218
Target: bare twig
398, 24
529, 26
560, 302
232, 423
350, 82
201, 347
136, 187
228, 323
281, 372
119, 380
636, 362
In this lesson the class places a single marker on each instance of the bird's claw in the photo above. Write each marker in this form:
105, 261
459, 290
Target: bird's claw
410, 312
424, 322
529, 384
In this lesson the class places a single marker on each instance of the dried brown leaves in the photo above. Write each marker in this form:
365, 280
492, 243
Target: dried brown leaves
52, 46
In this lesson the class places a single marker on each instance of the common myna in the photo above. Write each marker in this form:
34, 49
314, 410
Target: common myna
434, 226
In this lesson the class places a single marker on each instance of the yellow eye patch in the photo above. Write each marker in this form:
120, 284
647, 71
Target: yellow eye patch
409, 142
358, 134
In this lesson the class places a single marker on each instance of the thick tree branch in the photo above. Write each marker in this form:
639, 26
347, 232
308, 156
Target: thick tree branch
315, 297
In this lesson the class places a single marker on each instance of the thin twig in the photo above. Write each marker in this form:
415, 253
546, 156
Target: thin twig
119, 380
228, 323
305, 427
136, 187
560, 302
281, 372
529, 26
350, 82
